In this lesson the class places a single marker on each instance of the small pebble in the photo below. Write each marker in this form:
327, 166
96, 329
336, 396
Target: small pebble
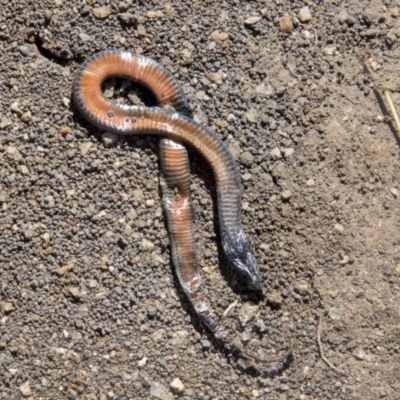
157, 258
343, 15
158, 335
329, 51
75, 292
168, 9
123, 6
25, 389
274, 298
335, 314
276, 153
101, 12
215, 76
159, 391
128, 19
394, 192
85, 148
177, 386
246, 176
150, 203
26, 117
200, 95
7, 307
304, 14
24, 169
291, 64
206, 344
339, 228
29, 234
310, 182
141, 363
246, 363
155, 14
179, 338
286, 23
109, 138
93, 283
84, 37
219, 36
344, 260
286, 194
24, 50
221, 123
302, 288
247, 158
368, 15
6, 122
361, 355
138, 194
260, 326
186, 53
141, 30
264, 90
147, 245
15, 107
65, 269
251, 115
132, 214
247, 312
252, 20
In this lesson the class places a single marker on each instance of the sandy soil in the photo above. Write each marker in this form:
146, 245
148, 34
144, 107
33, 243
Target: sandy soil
90, 306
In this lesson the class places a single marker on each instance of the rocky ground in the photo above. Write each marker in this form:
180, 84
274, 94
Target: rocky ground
90, 306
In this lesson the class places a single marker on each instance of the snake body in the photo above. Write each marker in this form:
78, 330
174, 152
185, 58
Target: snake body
177, 129
137, 120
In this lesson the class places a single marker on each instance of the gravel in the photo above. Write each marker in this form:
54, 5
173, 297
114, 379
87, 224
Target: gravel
87, 288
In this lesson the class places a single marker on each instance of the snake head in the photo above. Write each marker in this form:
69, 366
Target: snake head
243, 259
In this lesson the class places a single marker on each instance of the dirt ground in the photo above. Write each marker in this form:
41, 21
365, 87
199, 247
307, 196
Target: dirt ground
90, 307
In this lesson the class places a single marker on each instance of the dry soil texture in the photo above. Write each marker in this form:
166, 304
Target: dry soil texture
319, 161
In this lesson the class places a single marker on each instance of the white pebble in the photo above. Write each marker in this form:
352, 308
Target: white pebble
251, 115
159, 391
85, 148
109, 138
147, 245
138, 194
252, 20
101, 12
339, 228
246, 176
288, 152
304, 14
150, 203
84, 37
141, 363
329, 51
234, 148
177, 386
310, 182
132, 214
286, 194
25, 389
276, 153
155, 14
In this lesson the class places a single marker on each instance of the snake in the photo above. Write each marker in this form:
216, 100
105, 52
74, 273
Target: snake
177, 130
